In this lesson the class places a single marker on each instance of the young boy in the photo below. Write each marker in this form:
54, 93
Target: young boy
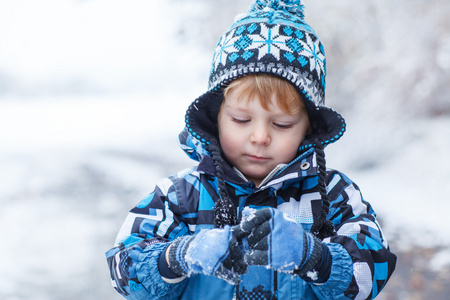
260, 216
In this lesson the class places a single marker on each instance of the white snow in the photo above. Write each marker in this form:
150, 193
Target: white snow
248, 213
93, 95
313, 275
204, 258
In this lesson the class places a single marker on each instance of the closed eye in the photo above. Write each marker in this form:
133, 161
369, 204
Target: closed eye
240, 121
282, 126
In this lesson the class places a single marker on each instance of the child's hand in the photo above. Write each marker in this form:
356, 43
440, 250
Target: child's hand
273, 240
211, 252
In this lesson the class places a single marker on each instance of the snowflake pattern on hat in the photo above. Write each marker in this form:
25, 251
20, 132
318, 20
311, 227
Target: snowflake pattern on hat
270, 41
276, 42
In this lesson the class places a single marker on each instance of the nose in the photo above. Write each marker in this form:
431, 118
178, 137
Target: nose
260, 135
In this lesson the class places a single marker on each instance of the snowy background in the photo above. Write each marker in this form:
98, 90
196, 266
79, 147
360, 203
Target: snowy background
93, 95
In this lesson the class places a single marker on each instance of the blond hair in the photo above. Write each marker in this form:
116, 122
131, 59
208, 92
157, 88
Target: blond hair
264, 86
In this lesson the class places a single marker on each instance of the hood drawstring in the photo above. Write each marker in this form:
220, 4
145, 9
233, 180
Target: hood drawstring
224, 211
322, 227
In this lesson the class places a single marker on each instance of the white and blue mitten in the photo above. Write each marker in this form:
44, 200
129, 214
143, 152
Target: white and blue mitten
214, 252
273, 240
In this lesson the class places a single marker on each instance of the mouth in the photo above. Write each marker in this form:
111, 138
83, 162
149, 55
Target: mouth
257, 158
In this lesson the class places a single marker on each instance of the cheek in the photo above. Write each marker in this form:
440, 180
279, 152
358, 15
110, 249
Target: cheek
227, 141
229, 137
290, 147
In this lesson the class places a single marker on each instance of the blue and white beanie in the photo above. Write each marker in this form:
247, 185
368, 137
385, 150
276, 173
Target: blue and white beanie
272, 38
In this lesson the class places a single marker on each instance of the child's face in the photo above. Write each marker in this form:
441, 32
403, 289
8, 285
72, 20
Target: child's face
255, 140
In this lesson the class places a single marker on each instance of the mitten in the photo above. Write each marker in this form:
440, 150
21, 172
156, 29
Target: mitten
271, 239
214, 252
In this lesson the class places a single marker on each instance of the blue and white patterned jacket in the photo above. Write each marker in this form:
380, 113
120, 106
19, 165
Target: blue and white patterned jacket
183, 204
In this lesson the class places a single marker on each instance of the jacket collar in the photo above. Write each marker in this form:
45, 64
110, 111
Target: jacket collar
305, 164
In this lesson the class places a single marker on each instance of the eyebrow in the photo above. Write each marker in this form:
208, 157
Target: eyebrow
281, 114
235, 107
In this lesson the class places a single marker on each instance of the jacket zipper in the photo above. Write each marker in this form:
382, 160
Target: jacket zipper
275, 285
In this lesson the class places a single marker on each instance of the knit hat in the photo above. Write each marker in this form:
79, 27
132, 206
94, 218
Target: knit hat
272, 38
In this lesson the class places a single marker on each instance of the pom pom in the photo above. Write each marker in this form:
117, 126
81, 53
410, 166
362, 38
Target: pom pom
294, 7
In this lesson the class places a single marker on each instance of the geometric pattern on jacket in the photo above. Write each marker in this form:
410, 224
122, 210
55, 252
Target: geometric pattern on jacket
184, 204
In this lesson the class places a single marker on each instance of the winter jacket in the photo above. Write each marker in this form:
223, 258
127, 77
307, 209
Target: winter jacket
183, 204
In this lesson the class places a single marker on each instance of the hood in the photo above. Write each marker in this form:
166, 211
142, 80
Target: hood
193, 147
271, 38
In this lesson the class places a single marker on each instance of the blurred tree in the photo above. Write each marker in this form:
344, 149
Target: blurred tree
389, 53
208, 20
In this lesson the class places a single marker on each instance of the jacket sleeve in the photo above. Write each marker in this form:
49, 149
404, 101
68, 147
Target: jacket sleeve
145, 234
361, 259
